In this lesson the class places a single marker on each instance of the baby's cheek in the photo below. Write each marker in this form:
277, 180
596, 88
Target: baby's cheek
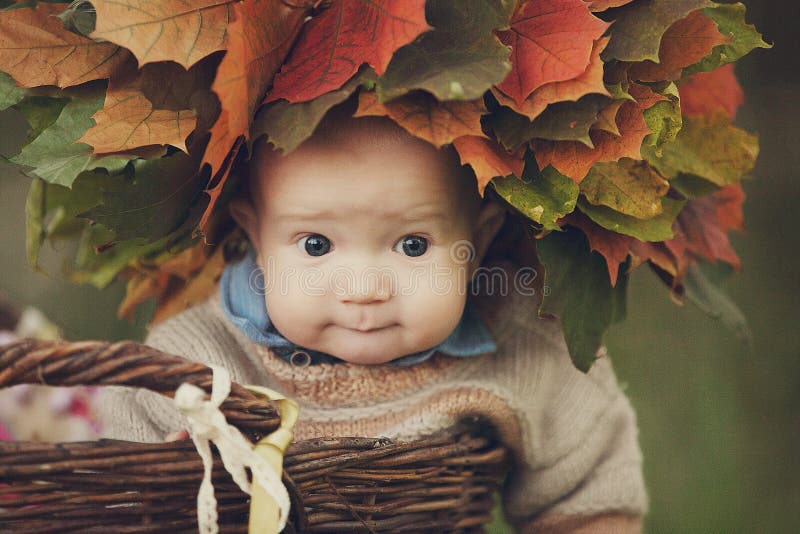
436, 314
291, 316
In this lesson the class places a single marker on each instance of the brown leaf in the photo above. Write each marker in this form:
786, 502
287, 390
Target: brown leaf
35, 50
423, 116
487, 159
164, 30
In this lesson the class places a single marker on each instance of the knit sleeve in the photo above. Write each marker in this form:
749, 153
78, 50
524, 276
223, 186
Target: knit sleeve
197, 334
579, 457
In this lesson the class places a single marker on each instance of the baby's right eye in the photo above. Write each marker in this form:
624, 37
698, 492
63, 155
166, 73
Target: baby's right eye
314, 245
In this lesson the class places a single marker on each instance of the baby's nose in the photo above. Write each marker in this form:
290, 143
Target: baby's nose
368, 285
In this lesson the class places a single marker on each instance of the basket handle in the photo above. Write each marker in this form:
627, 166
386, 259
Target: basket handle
126, 363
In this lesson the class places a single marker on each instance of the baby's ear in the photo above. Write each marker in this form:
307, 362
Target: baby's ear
244, 213
490, 218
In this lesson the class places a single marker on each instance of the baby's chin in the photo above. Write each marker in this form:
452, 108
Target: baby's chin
369, 348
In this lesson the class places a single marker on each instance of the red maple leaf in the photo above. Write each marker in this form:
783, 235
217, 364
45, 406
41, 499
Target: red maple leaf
703, 224
589, 81
551, 41
613, 246
706, 93
335, 43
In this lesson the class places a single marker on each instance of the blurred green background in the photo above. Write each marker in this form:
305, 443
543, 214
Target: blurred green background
719, 424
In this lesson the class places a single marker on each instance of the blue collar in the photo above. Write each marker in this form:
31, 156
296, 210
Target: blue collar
244, 306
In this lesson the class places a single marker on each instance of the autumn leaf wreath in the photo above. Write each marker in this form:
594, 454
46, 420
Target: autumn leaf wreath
606, 123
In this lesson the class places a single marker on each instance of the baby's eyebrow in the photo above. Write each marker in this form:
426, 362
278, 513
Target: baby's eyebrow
408, 216
308, 216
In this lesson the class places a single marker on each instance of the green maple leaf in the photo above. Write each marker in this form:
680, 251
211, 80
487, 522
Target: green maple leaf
658, 228
629, 187
54, 156
101, 256
40, 112
730, 19
692, 186
51, 210
287, 125
10, 94
664, 119
702, 290
562, 121
152, 202
459, 59
578, 291
639, 26
543, 197
708, 147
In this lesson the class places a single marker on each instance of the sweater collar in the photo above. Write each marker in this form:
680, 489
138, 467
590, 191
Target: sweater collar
245, 307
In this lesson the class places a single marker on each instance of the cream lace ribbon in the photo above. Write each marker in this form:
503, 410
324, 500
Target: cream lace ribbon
207, 424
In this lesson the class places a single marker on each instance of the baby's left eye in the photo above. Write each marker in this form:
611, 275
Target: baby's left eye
412, 245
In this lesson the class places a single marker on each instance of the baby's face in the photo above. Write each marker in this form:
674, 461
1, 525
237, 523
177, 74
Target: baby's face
363, 248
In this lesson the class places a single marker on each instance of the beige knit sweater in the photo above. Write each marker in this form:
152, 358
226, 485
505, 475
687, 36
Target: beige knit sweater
573, 435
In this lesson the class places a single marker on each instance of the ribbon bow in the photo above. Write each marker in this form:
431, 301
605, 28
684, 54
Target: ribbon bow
207, 424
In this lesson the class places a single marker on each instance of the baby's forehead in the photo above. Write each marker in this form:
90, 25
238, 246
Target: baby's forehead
350, 161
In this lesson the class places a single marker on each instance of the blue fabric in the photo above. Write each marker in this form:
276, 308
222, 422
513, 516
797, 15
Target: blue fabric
244, 306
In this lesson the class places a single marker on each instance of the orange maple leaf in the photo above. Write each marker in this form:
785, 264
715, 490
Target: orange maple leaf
423, 116
347, 34
706, 93
164, 30
551, 41
574, 159
589, 82
128, 120
685, 43
487, 159
35, 50
257, 43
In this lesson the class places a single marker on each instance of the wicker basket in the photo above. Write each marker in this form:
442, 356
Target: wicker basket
443, 483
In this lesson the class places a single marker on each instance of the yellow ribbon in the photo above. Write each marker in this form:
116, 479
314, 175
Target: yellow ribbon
264, 511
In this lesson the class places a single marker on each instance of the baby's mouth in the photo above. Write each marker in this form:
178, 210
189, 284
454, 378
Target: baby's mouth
369, 330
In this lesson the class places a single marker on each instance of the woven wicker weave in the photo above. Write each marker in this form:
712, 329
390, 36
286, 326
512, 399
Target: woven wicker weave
441, 483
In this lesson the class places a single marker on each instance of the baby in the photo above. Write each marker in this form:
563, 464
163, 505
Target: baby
367, 296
